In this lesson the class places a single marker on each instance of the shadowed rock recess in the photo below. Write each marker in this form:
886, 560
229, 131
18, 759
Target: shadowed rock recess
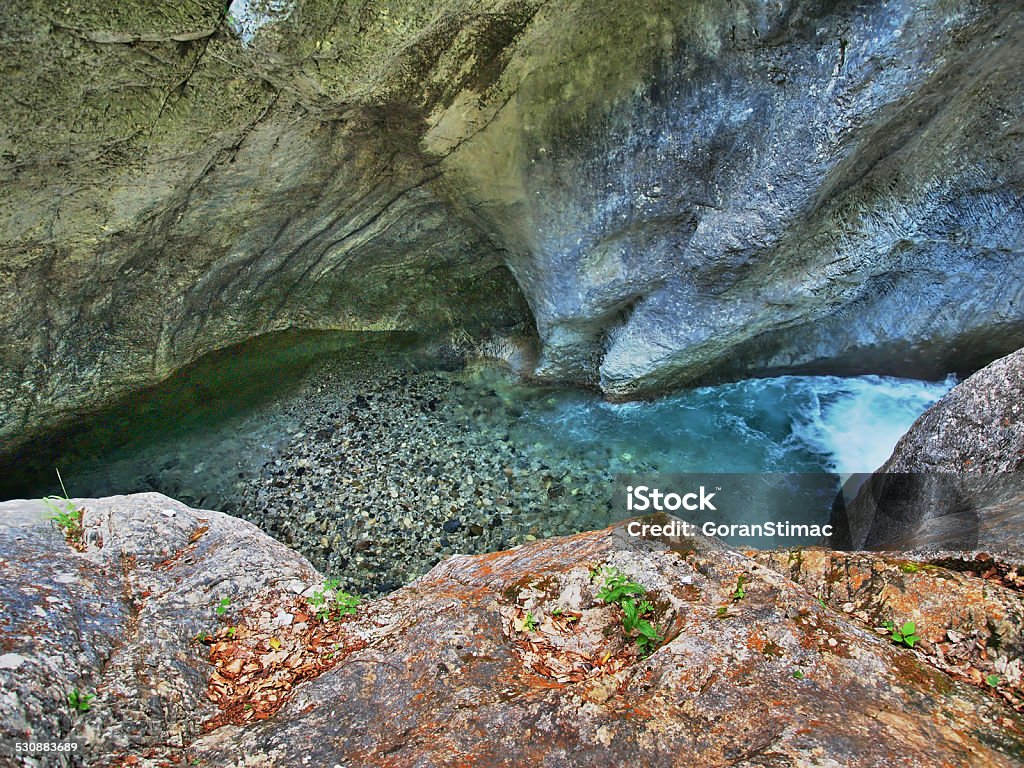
766, 662
669, 192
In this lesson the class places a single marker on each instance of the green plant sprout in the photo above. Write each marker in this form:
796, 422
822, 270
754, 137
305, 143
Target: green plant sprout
223, 605
332, 602
646, 636
739, 593
617, 586
620, 589
80, 701
903, 635
67, 518
529, 622
993, 680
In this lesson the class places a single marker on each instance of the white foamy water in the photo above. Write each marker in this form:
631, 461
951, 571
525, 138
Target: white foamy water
860, 420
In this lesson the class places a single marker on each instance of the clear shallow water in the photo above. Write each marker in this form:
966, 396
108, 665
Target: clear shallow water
201, 432
775, 450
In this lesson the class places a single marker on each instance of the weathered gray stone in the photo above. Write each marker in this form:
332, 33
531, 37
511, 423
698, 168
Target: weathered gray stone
956, 479
160, 199
683, 191
697, 191
440, 673
119, 620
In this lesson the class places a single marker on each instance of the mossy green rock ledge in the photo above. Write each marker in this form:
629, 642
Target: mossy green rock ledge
446, 671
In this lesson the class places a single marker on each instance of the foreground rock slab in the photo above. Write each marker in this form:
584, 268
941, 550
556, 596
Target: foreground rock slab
120, 620
495, 659
967, 608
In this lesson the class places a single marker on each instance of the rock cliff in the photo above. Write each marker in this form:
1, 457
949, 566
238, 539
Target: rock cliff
198, 637
669, 191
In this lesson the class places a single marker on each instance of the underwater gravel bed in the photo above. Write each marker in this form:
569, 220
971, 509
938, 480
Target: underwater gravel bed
375, 460
392, 471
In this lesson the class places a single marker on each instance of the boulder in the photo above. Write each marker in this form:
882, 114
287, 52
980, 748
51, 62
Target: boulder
490, 660
124, 619
956, 479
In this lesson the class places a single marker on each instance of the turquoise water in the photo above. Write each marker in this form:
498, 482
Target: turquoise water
208, 434
777, 449
784, 424
202, 431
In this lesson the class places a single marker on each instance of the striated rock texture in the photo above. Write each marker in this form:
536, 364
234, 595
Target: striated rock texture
956, 479
683, 191
754, 670
167, 190
705, 190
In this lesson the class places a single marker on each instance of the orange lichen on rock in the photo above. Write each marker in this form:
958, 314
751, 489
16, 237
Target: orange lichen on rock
967, 612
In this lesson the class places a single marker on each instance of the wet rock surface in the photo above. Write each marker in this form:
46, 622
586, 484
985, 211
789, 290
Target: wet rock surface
758, 188
956, 479
448, 670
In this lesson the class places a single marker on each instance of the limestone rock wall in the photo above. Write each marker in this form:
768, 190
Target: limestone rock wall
678, 192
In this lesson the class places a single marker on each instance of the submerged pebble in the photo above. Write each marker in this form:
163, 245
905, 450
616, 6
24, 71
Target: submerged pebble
390, 470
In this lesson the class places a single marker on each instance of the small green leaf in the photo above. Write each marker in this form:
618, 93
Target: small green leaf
993, 680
